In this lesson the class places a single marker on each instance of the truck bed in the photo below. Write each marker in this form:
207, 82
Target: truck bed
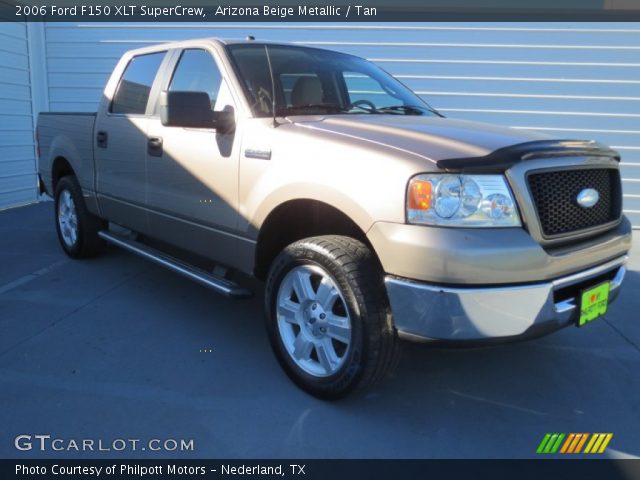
69, 132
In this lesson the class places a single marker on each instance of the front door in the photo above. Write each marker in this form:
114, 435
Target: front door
192, 173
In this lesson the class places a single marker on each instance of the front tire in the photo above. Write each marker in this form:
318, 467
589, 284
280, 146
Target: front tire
77, 228
328, 316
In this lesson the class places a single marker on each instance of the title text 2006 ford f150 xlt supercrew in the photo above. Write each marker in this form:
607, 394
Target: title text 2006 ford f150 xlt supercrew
370, 216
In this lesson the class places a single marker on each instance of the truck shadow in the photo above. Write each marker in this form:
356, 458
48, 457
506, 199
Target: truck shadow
153, 354
451, 399
439, 402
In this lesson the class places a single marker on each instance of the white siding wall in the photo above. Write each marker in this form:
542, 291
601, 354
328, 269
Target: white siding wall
17, 154
575, 80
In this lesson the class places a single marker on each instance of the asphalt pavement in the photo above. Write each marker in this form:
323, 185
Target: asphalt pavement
117, 348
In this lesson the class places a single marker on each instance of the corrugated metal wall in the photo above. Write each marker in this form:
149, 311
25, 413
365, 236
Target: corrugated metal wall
17, 155
579, 80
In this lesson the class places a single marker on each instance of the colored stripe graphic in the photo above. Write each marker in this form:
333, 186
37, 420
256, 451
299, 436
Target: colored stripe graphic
605, 442
577, 439
573, 443
581, 443
591, 442
556, 445
598, 442
568, 442
543, 443
550, 443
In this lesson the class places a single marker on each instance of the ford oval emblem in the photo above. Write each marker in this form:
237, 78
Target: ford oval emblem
588, 197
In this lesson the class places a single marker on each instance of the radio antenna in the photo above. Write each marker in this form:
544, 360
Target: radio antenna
273, 87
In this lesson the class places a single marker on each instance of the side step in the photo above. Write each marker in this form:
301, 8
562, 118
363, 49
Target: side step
220, 285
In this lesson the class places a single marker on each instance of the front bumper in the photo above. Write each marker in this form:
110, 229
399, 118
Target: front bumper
427, 312
487, 256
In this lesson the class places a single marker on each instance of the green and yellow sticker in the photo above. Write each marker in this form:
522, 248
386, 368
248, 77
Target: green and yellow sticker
594, 303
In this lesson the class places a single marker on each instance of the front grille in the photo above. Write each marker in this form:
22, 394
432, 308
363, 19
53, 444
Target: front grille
555, 199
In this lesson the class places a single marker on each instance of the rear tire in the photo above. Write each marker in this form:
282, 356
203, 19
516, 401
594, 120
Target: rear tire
77, 228
328, 316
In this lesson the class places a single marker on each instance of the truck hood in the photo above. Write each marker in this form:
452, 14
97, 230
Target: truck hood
431, 138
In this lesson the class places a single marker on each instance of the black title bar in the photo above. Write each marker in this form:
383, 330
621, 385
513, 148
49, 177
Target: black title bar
328, 11
320, 469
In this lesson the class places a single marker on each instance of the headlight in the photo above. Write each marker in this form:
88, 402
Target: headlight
461, 200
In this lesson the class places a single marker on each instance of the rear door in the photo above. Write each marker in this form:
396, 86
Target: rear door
121, 142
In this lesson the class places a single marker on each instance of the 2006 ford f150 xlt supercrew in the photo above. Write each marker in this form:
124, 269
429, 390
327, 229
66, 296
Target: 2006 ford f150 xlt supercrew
370, 216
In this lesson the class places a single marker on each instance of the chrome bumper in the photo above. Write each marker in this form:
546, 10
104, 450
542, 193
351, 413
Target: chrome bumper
429, 312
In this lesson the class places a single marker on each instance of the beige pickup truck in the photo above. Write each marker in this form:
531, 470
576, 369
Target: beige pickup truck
370, 216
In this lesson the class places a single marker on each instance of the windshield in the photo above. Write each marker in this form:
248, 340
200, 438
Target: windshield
312, 81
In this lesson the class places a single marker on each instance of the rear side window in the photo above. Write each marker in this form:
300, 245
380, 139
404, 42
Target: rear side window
133, 90
197, 72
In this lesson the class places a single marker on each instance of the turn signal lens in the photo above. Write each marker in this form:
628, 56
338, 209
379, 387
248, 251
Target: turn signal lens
420, 195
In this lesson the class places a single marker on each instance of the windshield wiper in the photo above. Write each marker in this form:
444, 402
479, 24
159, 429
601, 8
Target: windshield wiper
406, 109
325, 107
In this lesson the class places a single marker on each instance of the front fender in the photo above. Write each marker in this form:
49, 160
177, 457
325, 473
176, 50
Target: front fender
333, 197
367, 185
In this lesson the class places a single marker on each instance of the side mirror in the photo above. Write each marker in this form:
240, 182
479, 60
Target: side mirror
193, 110
224, 121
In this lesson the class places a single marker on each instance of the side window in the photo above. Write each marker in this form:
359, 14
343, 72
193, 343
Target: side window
133, 90
361, 86
197, 72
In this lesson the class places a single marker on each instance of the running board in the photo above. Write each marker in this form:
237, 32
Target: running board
220, 285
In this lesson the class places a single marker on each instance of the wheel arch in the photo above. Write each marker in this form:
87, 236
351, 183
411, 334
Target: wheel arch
60, 167
297, 219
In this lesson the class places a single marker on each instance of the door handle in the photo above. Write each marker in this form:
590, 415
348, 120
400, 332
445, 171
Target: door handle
102, 139
154, 146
